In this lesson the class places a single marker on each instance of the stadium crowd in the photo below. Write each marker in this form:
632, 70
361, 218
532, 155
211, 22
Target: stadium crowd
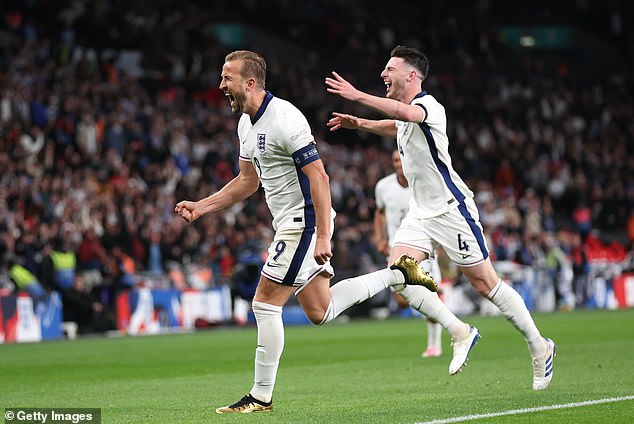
95, 152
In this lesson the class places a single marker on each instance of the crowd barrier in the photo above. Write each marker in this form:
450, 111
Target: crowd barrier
151, 311
624, 290
24, 318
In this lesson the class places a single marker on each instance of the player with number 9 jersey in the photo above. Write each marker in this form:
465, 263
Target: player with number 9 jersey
279, 143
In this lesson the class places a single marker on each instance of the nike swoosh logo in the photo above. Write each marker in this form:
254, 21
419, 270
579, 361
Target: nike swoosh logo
465, 256
272, 265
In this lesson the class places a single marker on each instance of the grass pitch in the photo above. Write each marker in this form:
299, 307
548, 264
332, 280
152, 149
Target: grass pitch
360, 372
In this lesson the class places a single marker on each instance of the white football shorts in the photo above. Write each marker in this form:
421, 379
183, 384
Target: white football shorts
458, 231
291, 262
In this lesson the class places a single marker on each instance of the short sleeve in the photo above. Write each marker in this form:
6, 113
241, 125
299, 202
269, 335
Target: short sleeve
433, 110
295, 132
378, 194
242, 137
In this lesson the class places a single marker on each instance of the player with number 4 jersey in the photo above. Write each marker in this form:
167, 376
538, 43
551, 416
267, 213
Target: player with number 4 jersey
444, 212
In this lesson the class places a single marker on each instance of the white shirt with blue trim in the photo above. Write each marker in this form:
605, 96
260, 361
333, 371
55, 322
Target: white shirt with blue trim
279, 143
424, 148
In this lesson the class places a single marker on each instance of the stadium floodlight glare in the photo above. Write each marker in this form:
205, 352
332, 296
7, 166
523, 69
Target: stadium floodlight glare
527, 41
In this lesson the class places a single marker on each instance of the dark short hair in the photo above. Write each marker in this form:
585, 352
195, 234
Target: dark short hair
413, 57
254, 65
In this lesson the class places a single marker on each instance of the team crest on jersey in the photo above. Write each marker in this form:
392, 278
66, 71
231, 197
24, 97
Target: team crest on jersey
261, 142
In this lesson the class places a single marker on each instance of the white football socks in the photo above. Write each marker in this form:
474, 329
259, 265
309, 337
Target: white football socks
514, 309
429, 304
434, 329
434, 333
351, 291
269, 350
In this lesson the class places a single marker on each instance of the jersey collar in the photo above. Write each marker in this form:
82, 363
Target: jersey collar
265, 103
421, 94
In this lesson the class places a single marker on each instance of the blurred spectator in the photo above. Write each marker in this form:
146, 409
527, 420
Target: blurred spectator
246, 275
560, 272
244, 281
583, 219
155, 259
123, 268
82, 308
628, 263
580, 269
59, 266
23, 278
29, 147
90, 253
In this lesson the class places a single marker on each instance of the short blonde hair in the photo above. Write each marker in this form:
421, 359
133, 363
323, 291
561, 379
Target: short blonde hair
253, 66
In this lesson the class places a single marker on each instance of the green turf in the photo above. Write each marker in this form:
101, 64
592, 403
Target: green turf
364, 371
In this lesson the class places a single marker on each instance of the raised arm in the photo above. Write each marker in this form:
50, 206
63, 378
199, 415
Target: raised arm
384, 127
239, 188
389, 107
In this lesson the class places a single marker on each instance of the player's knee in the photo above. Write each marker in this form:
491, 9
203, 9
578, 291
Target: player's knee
320, 316
315, 315
317, 319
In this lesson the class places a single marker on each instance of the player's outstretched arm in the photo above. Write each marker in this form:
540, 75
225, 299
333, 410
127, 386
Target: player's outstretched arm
389, 107
384, 127
239, 188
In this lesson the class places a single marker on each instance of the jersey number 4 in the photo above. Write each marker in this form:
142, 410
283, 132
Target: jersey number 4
462, 245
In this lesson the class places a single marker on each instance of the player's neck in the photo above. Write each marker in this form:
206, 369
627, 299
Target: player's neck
402, 180
254, 102
412, 92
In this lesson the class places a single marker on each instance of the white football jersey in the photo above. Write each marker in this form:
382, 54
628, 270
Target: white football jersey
279, 143
424, 148
391, 196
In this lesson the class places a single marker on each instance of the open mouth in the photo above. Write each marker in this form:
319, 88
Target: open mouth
387, 85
